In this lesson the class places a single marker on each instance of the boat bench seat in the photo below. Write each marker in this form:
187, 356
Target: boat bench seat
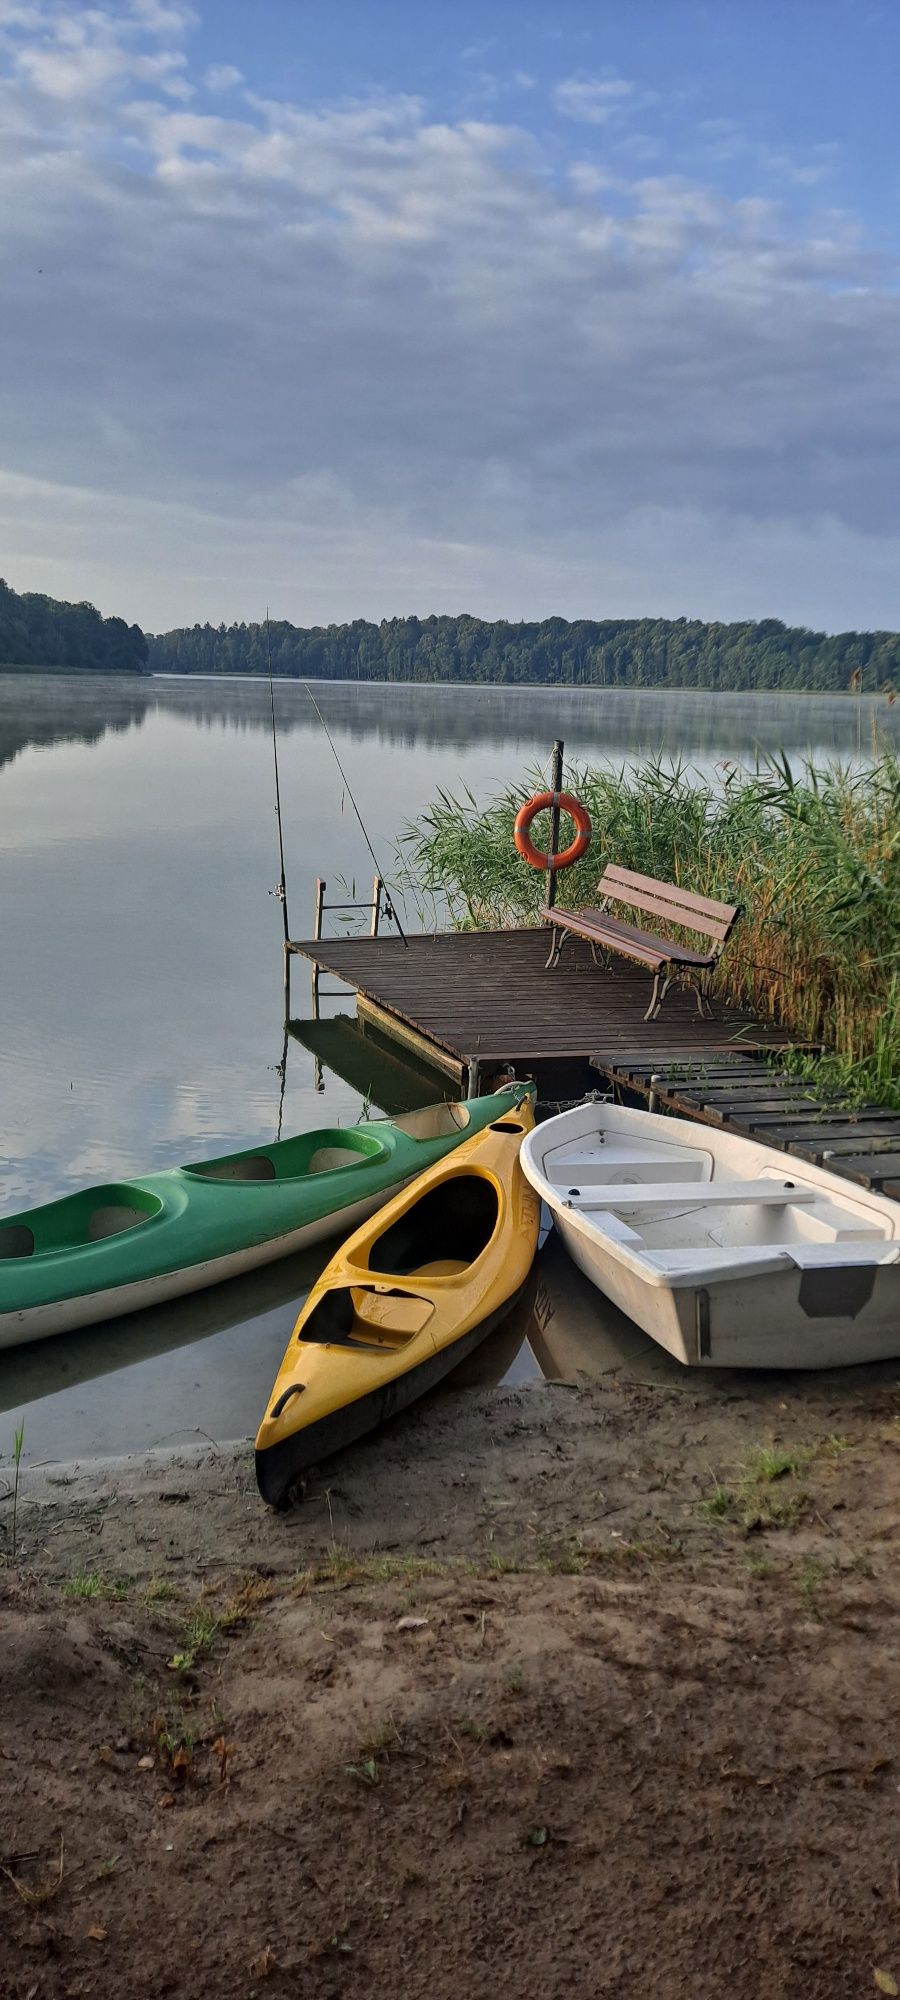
665, 956
703, 1194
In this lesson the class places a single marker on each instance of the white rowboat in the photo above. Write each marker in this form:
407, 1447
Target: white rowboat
726, 1252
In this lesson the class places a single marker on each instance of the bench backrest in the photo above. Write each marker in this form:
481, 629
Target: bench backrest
666, 899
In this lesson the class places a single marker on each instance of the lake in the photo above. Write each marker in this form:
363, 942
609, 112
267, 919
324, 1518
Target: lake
140, 991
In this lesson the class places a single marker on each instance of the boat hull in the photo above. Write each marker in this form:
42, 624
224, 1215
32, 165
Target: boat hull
280, 1465
404, 1300
751, 1322
43, 1322
726, 1252
119, 1248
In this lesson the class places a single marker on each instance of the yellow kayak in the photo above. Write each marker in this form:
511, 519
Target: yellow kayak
404, 1300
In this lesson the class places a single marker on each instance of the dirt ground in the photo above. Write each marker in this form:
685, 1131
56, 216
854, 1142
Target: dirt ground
588, 1687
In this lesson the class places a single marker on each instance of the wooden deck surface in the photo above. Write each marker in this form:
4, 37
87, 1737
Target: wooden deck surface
485, 996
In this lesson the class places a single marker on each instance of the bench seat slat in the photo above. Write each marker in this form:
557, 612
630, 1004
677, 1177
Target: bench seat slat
703, 905
598, 926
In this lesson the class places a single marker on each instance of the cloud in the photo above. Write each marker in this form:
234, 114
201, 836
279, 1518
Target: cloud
357, 357
222, 76
591, 99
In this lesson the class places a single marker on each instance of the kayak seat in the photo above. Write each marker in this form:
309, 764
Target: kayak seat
327, 1158
112, 1219
352, 1316
453, 1221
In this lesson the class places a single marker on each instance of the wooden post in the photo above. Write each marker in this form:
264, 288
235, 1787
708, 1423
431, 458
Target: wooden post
317, 932
377, 886
555, 786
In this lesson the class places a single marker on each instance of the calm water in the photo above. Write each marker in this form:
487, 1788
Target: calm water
140, 978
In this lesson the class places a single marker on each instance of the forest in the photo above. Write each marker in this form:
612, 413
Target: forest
38, 631
612, 652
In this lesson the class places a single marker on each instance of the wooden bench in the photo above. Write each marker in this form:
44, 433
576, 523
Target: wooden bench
664, 955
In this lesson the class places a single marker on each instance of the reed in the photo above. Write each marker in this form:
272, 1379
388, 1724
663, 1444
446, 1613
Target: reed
811, 853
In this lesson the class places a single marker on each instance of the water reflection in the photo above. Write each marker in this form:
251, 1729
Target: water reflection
203, 1367
40, 710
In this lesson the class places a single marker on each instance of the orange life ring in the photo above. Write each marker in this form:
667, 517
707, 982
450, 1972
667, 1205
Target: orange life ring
542, 802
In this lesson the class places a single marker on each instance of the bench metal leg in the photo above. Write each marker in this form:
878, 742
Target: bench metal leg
701, 988
559, 939
659, 992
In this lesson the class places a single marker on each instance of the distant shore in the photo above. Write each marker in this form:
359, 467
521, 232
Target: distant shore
138, 676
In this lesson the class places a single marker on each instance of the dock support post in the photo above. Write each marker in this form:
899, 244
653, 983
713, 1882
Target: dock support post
473, 1077
556, 779
653, 1094
317, 932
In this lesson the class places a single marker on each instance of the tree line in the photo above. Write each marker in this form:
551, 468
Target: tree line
613, 652
39, 631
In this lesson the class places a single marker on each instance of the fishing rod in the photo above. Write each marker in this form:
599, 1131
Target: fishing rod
281, 891
389, 909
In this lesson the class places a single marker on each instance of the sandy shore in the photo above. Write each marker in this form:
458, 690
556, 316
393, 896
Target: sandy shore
584, 1687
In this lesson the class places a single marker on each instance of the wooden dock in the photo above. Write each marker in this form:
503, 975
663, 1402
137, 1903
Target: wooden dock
475, 1002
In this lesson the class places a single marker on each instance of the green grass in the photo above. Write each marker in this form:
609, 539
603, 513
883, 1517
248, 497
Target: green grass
159, 1591
810, 1580
94, 1583
748, 1502
767, 1464
810, 853
343, 1566
199, 1632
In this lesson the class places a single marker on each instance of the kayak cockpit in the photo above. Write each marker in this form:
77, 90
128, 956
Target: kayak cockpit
440, 1234
363, 1317
16, 1240
322, 1152
77, 1220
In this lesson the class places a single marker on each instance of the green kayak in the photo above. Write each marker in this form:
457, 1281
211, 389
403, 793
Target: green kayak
117, 1248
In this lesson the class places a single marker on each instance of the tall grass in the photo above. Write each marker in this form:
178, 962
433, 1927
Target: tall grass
812, 854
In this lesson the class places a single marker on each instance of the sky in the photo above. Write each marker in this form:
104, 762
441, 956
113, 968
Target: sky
360, 308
